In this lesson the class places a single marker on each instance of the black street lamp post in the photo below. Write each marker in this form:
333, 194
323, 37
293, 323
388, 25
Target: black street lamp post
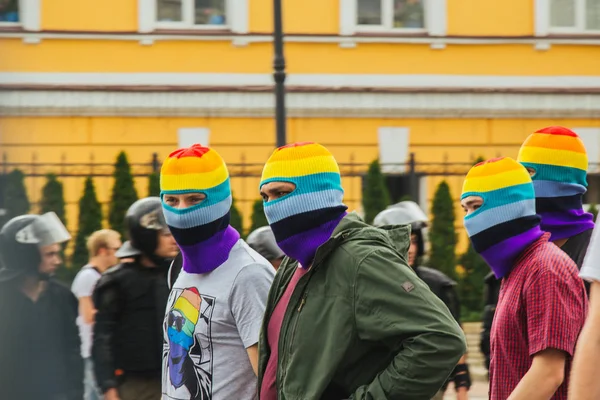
279, 74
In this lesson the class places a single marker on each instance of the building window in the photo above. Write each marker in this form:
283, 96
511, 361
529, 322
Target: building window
378, 15
191, 13
9, 12
570, 16
187, 137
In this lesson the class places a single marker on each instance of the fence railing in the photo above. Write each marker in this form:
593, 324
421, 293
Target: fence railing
35, 168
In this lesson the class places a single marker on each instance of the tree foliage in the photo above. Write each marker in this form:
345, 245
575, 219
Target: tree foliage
154, 184
258, 218
123, 194
16, 201
53, 198
472, 281
90, 221
235, 219
375, 192
594, 210
442, 235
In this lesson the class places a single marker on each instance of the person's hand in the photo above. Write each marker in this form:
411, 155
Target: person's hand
111, 394
462, 394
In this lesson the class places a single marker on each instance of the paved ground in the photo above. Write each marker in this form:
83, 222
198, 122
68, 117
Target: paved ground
479, 391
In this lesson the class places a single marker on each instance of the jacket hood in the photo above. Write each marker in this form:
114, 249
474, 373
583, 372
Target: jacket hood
352, 227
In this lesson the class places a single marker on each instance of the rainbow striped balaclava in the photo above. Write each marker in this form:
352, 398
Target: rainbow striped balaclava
506, 223
202, 231
304, 219
559, 159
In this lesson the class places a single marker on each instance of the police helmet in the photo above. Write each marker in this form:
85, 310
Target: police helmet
263, 242
21, 239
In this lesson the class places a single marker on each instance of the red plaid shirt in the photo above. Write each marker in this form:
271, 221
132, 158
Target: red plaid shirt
542, 305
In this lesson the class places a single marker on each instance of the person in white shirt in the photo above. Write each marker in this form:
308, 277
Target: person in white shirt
217, 302
585, 384
102, 247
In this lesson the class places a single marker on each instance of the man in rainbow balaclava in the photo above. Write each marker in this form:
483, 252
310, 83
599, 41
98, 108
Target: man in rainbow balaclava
353, 318
306, 219
557, 161
217, 301
542, 303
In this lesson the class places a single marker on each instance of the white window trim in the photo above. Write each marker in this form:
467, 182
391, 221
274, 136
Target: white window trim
435, 19
394, 148
542, 20
187, 137
29, 16
236, 12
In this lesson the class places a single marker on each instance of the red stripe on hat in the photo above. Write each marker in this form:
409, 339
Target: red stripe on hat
299, 144
196, 150
491, 160
558, 130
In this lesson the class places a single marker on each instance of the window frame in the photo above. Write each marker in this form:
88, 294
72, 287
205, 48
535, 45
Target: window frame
29, 17
387, 20
6, 24
580, 20
187, 21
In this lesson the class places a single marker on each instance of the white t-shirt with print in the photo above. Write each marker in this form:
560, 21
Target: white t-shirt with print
211, 319
83, 286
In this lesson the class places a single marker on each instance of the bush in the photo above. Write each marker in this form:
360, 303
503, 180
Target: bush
16, 201
235, 219
375, 193
90, 221
258, 216
123, 195
471, 284
593, 209
442, 235
154, 184
53, 198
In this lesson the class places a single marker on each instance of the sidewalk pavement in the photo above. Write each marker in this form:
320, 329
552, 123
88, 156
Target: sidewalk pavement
479, 391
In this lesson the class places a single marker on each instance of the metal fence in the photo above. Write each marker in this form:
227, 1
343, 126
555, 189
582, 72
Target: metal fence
35, 168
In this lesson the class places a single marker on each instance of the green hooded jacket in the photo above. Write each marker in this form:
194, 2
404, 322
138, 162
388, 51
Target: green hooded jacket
361, 324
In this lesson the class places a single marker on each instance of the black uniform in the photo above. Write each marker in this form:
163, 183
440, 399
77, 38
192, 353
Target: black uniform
131, 301
39, 340
443, 287
39, 344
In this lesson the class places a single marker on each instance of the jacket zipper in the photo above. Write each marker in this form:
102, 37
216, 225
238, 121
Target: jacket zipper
301, 304
291, 341
298, 310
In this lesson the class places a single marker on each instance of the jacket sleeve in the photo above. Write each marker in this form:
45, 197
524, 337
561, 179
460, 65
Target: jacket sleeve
73, 342
106, 301
394, 307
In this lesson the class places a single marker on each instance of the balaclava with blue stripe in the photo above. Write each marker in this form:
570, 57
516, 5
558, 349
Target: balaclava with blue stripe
202, 231
559, 159
506, 223
306, 218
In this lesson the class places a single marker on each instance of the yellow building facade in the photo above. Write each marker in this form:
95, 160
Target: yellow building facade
445, 80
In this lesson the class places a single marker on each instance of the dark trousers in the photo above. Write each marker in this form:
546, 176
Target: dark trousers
137, 388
